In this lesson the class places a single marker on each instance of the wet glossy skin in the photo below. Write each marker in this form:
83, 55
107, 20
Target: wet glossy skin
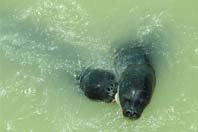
99, 84
136, 80
135, 90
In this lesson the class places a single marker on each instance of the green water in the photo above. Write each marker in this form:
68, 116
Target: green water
43, 42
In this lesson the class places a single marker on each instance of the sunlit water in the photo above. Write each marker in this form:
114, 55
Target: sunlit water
44, 42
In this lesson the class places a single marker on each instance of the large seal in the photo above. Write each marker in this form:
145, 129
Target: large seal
136, 80
98, 84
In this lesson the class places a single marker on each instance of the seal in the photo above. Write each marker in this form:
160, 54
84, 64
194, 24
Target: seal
98, 84
136, 80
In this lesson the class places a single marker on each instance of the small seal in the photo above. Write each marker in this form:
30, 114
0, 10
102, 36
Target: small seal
98, 84
136, 80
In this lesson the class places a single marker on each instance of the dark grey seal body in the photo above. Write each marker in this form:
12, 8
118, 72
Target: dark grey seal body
98, 84
136, 80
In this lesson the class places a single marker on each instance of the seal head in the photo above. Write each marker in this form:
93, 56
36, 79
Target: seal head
99, 84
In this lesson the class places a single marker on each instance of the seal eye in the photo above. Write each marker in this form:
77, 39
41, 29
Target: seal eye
141, 101
126, 99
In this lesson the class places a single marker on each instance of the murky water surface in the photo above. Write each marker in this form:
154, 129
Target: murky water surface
44, 42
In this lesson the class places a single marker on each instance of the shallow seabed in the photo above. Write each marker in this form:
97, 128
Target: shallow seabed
44, 42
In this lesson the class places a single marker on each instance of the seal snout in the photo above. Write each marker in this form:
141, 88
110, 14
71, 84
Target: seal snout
131, 113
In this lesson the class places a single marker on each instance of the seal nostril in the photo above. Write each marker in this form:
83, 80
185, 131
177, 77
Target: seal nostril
131, 114
128, 113
135, 114
109, 89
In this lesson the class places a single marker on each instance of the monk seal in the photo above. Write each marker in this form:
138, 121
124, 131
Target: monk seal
98, 84
136, 80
